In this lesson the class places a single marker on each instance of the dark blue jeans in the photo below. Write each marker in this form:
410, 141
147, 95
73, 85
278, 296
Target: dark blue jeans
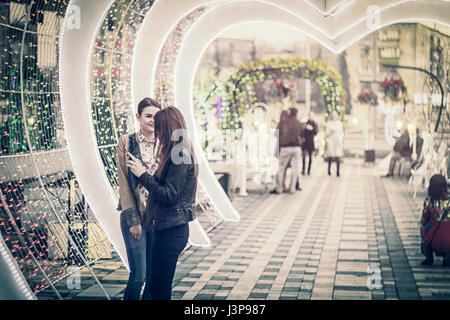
168, 245
138, 253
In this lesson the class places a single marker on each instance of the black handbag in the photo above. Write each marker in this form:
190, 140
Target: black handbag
425, 246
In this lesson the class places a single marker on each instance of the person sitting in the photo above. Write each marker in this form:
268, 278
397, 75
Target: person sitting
435, 224
335, 144
402, 149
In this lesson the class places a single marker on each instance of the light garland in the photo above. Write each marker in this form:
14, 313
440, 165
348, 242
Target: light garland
163, 92
112, 111
33, 180
165, 71
239, 93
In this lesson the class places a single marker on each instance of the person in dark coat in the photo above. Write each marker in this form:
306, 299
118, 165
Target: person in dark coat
310, 131
290, 130
402, 149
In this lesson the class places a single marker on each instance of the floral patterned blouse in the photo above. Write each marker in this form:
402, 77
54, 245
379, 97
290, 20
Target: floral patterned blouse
431, 229
146, 147
435, 209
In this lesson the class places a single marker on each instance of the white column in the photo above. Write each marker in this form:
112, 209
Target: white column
373, 128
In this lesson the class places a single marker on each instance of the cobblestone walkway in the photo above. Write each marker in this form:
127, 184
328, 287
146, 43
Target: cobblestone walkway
352, 237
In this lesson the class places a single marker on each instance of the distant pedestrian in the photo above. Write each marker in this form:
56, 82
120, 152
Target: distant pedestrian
335, 135
293, 115
290, 130
284, 116
310, 131
435, 224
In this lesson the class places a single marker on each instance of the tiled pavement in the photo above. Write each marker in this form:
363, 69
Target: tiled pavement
352, 237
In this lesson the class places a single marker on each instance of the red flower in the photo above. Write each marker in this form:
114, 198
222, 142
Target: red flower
100, 72
115, 72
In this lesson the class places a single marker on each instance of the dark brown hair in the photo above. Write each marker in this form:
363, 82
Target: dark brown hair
437, 189
293, 112
284, 115
147, 102
168, 120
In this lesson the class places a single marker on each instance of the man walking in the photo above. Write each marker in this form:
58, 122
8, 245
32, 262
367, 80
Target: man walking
290, 131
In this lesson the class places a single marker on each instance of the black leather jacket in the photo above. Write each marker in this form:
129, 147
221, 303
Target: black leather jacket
172, 197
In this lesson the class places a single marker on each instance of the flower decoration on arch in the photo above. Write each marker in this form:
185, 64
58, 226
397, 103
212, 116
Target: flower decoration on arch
238, 94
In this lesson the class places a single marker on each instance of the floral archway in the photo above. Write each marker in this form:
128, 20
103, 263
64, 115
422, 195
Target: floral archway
235, 96
237, 93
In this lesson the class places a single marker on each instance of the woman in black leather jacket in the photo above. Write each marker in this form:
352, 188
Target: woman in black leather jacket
171, 198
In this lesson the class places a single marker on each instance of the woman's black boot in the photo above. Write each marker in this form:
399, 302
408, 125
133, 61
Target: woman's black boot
429, 260
338, 165
447, 260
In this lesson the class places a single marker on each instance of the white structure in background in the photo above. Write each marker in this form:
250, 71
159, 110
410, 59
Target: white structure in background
255, 155
265, 140
241, 164
433, 163
390, 129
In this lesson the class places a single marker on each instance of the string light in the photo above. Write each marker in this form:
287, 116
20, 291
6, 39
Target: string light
34, 164
165, 70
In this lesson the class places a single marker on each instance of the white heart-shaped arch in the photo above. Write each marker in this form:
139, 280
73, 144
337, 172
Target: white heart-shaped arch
226, 15
335, 32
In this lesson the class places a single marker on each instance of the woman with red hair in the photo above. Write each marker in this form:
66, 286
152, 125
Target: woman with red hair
171, 200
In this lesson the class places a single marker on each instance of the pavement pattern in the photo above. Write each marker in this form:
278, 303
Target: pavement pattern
343, 238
